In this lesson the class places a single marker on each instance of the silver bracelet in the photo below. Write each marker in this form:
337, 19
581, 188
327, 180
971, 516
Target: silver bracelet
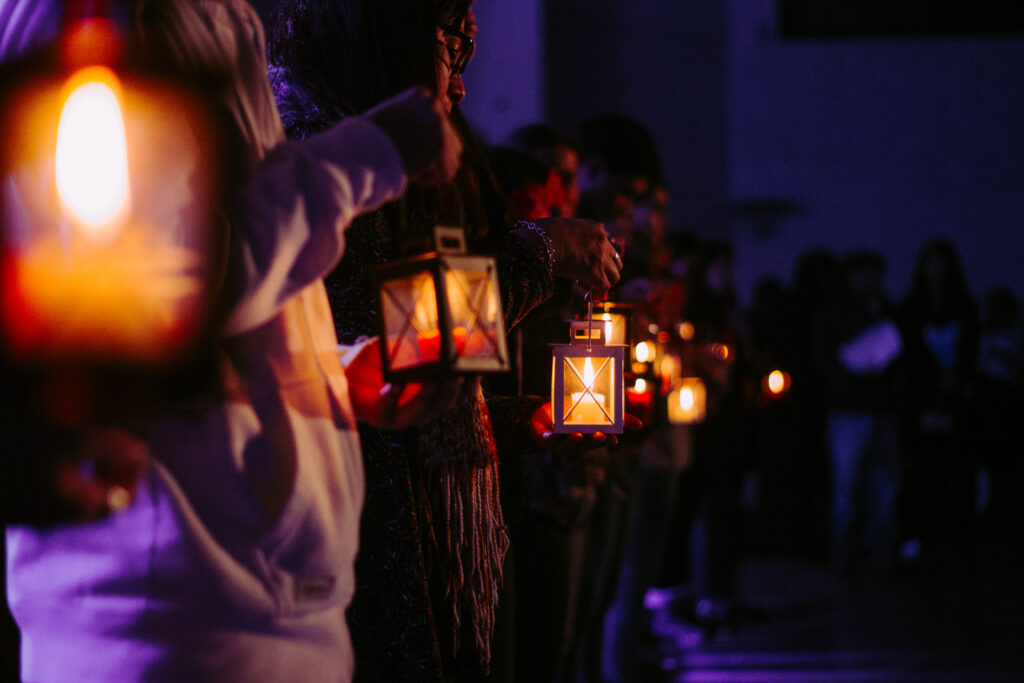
543, 234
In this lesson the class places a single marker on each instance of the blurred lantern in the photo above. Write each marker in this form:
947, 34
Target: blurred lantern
686, 330
112, 183
616, 319
775, 383
670, 369
721, 352
587, 382
440, 312
687, 402
646, 354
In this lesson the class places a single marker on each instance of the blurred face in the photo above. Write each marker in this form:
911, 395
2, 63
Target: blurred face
566, 164
454, 49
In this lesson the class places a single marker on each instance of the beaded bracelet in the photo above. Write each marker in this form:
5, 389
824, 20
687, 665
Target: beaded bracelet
542, 233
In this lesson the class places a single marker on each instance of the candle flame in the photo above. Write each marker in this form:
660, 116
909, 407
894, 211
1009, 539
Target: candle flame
640, 386
686, 398
643, 353
92, 152
588, 374
776, 381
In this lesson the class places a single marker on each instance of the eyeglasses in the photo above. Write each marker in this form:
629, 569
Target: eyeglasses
458, 54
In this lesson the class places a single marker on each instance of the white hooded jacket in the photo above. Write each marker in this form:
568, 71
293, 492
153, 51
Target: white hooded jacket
235, 560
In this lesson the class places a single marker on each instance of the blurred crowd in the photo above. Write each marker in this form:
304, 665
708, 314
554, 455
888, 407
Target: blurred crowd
873, 434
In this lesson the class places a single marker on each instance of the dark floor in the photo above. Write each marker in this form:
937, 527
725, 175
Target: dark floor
799, 624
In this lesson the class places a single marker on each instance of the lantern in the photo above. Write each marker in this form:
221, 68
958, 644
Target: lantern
646, 354
616, 319
687, 402
587, 382
111, 180
775, 383
440, 312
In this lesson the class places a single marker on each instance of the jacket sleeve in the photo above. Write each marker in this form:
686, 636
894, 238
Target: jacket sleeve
292, 214
524, 274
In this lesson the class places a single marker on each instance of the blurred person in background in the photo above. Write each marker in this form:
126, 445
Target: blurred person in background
939, 322
857, 348
999, 400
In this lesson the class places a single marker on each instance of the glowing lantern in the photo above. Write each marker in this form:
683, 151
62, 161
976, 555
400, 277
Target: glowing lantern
616, 319
640, 400
587, 382
686, 331
440, 312
776, 383
111, 188
687, 402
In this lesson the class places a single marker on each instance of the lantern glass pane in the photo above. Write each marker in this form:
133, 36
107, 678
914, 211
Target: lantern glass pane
106, 268
409, 311
589, 398
475, 313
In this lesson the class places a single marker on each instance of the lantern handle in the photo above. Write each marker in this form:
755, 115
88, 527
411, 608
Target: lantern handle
589, 298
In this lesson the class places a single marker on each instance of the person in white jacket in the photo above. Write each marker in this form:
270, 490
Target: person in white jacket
234, 560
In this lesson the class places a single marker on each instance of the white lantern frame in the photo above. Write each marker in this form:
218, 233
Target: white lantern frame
598, 406
440, 313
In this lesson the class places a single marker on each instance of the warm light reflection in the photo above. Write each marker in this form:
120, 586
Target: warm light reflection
607, 318
92, 153
643, 352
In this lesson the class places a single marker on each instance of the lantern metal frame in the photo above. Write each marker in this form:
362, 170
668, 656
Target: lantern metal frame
437, 266
587, 342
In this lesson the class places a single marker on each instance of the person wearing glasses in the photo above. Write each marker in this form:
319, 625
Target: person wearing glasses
433, 538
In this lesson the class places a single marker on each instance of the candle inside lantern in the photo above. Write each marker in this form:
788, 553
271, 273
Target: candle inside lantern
92, 154
86, 272
639, 401
587, 407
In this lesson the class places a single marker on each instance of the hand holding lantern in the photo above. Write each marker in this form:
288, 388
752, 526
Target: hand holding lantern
396, 405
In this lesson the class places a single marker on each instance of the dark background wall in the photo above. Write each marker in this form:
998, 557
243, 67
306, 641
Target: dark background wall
844, 132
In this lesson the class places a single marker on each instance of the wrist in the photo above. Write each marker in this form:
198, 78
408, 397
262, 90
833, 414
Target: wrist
534, 234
